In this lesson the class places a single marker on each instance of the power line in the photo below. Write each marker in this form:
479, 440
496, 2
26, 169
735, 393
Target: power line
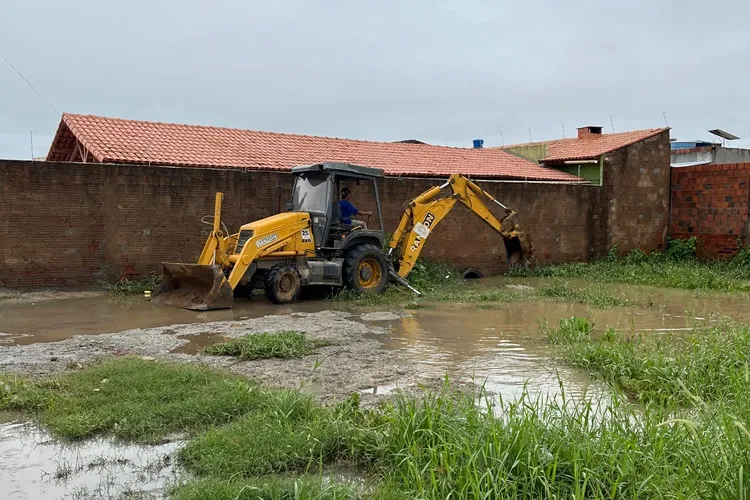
29, 84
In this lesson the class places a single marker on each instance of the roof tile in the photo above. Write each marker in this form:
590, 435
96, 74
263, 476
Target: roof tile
590, 147
115, 140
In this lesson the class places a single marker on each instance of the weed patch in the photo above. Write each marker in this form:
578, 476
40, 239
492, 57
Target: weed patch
265, 488
569, 330
676, 268
286, 344
445, 444
133, 400
711, 364
292, 434
135, 285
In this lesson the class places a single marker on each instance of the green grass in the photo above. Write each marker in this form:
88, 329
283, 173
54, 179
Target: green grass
293, 433
264, 488
451, 444
465, 445
676, 268
285, 344
477, 292
439, 282
569, 331
135, 285
264, 443
132, 399
691, 275
712, 364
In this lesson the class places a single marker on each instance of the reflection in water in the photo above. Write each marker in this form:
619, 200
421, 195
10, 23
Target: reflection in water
500, 348
33, 466
503, 348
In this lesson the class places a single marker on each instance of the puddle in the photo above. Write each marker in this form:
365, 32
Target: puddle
501, 346
34, 466
380, 389
497, 343
52, 321
196, 343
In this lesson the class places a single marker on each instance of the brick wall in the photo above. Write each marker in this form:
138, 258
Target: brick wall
636, 185
710, 202
78, 225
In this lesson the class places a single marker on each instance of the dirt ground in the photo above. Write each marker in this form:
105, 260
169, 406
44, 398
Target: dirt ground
355, 362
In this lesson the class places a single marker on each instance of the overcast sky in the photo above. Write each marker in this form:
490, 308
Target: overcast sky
444, 72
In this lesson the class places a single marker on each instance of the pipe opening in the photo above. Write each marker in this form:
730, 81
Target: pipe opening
472, 274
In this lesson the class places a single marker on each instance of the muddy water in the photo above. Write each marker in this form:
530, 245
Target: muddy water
34, 466
52, 321
499, 344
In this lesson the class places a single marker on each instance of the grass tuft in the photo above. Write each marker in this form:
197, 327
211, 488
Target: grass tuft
135, 285
285, 344
133, 400
710, 364
265, 488
676, 268
569, 330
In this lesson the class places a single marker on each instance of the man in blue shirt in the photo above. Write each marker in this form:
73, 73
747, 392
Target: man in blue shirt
348, 210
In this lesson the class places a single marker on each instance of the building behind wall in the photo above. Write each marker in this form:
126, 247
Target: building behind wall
118, 197
630, 167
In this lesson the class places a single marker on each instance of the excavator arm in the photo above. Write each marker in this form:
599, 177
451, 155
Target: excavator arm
424, 212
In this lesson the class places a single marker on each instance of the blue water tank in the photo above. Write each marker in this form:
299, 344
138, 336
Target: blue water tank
478, 143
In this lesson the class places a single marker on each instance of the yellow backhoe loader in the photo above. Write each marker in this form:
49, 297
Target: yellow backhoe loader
308, 245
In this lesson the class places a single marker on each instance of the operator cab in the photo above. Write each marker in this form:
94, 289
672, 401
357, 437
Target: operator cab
316, 191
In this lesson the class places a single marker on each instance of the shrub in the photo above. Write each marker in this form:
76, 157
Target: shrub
636, 256
680, 250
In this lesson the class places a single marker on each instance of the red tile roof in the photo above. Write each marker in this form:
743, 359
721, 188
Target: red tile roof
114, 140
590, 147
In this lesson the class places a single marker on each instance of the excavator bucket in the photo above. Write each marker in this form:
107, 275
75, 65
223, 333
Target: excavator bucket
194, 286
519, 247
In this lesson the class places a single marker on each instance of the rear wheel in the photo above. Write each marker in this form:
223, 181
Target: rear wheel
283, 284
365, 269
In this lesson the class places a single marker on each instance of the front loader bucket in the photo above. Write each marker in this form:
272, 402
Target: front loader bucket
194, 286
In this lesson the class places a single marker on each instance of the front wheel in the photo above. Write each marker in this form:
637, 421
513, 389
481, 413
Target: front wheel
282, 284
365, 269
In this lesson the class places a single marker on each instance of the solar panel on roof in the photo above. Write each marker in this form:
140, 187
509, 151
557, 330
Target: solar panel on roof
723, 134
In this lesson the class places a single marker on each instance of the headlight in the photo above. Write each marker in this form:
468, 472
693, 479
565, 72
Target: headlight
242, 239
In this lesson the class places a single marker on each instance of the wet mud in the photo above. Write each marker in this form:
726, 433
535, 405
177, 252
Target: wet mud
356, 359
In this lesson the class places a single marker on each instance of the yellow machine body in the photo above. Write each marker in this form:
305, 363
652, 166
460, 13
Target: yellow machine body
424, 212
286, 241
225, 260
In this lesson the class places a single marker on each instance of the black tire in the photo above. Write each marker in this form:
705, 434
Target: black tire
283, 284
365, 269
